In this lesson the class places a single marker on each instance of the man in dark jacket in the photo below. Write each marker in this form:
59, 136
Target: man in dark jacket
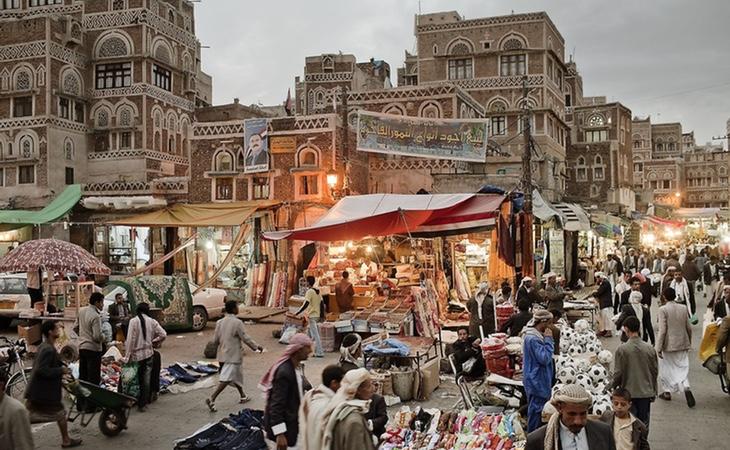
284, 386
43, 395
711, 276
605, 303
635, 286
377, 416
628, 431
571, 424
517, 322
481, 312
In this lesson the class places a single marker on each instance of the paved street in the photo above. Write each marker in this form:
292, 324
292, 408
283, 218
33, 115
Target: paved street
673, 424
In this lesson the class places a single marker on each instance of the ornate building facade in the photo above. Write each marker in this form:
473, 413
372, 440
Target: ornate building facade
658, 164
97, 92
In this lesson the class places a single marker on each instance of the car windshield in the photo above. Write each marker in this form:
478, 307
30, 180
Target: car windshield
12, 286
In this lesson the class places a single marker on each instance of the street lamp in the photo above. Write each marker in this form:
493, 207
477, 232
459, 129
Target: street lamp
677, 194
332, 180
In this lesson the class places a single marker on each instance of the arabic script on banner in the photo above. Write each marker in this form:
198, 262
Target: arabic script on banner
463, 140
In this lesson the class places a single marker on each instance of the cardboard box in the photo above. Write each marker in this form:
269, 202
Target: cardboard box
31, 333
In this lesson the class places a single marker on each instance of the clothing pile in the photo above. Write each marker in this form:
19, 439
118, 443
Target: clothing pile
464, 430
185, 373
242, 431
110, 373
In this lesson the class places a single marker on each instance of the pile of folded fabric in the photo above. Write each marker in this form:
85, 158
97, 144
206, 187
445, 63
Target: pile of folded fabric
242, 431
110, 373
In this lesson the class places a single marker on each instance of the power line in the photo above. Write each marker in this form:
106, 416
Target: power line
677, 93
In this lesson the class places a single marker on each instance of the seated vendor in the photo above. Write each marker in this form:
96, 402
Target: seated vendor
466, 348
351, 352
517, 322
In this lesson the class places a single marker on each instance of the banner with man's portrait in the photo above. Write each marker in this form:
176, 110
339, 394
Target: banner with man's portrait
256, 145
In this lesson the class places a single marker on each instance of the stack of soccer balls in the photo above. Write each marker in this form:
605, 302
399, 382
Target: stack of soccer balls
577, 347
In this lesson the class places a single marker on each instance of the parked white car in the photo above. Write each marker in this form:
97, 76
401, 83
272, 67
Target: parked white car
208, 304
14, 297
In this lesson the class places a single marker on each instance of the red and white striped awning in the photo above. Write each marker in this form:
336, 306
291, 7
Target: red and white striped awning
356, 217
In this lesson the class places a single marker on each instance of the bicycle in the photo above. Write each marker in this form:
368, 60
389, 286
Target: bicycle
19, 375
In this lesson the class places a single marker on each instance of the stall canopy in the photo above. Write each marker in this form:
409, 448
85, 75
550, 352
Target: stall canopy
606, 225
198, 215
542, 209
356, 217
696, 213
573, 217
10, 220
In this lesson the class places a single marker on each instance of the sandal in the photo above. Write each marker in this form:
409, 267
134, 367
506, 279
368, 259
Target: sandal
72, 443
211, 405
244, 399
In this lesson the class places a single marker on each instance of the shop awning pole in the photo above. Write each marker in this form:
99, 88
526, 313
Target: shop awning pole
235, 246
159, 262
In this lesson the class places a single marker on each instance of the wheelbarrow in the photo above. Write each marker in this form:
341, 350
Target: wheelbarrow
88, 399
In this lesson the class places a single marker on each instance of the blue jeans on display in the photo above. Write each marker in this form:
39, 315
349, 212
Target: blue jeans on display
314, 334
534, 412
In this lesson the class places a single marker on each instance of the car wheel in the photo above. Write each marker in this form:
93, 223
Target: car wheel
200, 318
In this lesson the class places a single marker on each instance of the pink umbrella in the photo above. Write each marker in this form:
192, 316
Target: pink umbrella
52, 255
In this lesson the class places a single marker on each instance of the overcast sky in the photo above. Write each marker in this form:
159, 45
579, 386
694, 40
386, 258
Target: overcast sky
667, 58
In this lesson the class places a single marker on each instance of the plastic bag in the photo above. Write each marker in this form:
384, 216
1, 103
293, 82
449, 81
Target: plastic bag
709, 340
129, 379
287, 334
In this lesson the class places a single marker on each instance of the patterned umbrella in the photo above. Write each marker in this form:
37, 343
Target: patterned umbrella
52, 255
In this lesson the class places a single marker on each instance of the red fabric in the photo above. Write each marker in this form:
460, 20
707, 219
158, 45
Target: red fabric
471, 212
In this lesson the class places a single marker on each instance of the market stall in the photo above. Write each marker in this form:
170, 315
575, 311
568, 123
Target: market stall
225, 249
394, 248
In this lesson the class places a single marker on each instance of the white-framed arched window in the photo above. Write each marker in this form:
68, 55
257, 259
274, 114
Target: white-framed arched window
595, 191
113, 44
26, 147
596, 120
395, 109
430, 110
23, 79
308, 157
102, 117
223, 161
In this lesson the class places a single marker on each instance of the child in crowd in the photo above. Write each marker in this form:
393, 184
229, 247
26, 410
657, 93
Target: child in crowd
629, 432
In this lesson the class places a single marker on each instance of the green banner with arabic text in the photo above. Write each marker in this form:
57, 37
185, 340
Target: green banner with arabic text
457, 139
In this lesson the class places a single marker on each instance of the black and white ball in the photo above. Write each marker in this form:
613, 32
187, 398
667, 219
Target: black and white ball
575, 349
592, 347
582, 326
567, 375
598, 373
600, 407
584, 381
605, 357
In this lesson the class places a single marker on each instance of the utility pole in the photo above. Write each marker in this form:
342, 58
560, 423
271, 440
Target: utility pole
527, 155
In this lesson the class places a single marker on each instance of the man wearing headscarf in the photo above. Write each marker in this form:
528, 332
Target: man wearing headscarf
672, 345
527, 291
605, 302
314, 405
345, 427
351, 352
641, 312
622, 286
685, 294
667, 278
284, 386
646, 287
570, 428
481, 312
554, 294
537, 360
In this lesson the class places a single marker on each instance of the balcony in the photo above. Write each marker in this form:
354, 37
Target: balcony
162, 186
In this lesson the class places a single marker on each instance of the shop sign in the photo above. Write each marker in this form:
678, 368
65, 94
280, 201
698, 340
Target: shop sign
281, 144
256, 145
456, 139
557, 251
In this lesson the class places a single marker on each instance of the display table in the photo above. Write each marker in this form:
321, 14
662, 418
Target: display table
422, 349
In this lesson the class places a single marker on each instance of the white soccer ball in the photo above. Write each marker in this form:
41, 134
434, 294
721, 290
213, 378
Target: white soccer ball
592, 348
598, 373
582, 365
601, 407
600, 388
566, 375
560, 362
582, 326
584, 381
566, 332
605, 357
575, 349
564, 346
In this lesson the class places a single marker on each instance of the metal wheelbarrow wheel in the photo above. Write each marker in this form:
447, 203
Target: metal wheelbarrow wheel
112, 422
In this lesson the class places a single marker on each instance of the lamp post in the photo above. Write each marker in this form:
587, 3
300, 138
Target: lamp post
332, 179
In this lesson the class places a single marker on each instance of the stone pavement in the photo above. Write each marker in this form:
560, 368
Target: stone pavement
673, 425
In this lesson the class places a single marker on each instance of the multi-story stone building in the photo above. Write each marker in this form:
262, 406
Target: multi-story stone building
97, 92
310, 163
327, 76
599, 156
657, 155
706, 177
462, 69
490, 58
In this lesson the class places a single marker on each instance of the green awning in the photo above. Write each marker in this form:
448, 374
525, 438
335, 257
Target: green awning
10, 220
